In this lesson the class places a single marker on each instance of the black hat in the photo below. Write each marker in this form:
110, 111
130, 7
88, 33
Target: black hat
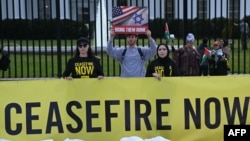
205, 40
82, 40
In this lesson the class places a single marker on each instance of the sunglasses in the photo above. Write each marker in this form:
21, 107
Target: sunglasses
82, 45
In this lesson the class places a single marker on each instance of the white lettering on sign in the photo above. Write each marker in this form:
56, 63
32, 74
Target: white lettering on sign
130, 29
119, 29
140, 30
236, 132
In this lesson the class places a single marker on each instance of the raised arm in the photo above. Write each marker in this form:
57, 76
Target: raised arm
113, 52
151, 51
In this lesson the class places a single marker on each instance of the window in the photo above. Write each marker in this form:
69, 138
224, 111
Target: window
169, 12
234, 6
83, 14
44, 9
122, 3
202, 9
80, 9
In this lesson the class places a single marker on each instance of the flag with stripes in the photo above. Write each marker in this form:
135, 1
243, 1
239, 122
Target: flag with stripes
130, 18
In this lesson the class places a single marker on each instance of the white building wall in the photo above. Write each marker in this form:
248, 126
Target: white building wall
244, 4
215, 10
20, 10
211, 5
156, 8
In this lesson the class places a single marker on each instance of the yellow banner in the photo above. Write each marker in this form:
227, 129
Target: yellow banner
176, 108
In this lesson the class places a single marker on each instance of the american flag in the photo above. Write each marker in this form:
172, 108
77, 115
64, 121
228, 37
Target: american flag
122, 13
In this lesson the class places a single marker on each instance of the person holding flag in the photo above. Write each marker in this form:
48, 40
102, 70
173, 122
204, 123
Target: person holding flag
217, 61
166, 34
204, 51
169, 38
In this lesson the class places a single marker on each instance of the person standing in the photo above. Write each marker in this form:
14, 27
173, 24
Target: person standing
131, 61
225, 47
187, 58
226, 50
244, 32
163, 66
203, 69
5, 60
217, 61
84, 64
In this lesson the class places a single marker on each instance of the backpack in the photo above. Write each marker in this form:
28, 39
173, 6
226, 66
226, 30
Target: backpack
4, 61
139, 50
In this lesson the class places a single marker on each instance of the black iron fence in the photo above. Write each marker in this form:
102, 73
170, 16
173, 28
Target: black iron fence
40, 36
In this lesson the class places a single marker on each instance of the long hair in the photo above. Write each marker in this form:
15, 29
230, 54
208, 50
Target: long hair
89, 53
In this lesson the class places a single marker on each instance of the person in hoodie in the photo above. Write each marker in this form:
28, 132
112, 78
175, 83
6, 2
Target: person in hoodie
162, 66
203, 70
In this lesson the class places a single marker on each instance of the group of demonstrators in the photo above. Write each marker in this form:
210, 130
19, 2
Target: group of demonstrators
214, 61
185, 61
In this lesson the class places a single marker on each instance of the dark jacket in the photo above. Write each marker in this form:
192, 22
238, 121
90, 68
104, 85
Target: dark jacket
200, 50
217, 64
187, 61
5, 60
165, 67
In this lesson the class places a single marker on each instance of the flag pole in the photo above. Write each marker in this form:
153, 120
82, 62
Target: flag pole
166, 34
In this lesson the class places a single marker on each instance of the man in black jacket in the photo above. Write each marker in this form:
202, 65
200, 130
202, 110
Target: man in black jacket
5, 60
200, 49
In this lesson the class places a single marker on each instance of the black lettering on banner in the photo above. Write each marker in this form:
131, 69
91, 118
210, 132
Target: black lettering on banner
127, 116
76, 118
235, 108
160, 114
230, 108
54, 111
90, 116
195, 114
139, 115
216, 115
8, 120
31, 117
142, 113
236, 132
108, 113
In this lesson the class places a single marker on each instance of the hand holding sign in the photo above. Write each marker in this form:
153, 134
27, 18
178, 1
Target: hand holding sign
148, 33
112, 34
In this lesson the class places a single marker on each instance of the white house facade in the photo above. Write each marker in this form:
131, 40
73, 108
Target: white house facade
75, 9
69, 9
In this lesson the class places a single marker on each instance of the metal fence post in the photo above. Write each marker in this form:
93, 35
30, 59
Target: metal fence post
58, 36
185, 23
